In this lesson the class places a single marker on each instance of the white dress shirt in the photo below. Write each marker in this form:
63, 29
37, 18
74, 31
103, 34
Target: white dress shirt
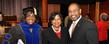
73, 25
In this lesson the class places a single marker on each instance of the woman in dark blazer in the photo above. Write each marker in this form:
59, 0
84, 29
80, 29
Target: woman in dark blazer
56, 33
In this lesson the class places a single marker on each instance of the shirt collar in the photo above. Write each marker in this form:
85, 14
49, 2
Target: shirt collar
54, 29
76, 21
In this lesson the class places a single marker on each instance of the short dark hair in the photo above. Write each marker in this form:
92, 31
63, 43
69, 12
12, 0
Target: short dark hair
28, 9
74, 3
52, 17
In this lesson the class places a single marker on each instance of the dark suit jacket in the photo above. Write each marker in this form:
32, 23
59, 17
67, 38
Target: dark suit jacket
85, 32
49, 36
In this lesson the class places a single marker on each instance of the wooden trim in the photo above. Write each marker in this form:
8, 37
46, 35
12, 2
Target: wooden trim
44, 17
97, 11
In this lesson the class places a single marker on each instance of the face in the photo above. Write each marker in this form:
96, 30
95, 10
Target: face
74, 11
57, 21
30, 18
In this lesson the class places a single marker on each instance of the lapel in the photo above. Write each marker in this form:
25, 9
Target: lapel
52, 34
77, 27
69, 24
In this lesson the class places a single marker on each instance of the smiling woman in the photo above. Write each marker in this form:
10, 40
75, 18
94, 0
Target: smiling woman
27, 31
56, 33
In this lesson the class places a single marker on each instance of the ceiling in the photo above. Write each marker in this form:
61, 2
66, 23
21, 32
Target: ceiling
78, 1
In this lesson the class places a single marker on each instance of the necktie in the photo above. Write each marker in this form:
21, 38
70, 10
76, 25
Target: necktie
72, 27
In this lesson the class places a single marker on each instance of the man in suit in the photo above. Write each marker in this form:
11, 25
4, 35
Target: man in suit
80, 29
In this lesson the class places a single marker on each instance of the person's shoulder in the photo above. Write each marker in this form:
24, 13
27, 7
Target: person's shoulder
63, 27
88, 23
46, 31
87, 20
37, 25
49, 28
15, 27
